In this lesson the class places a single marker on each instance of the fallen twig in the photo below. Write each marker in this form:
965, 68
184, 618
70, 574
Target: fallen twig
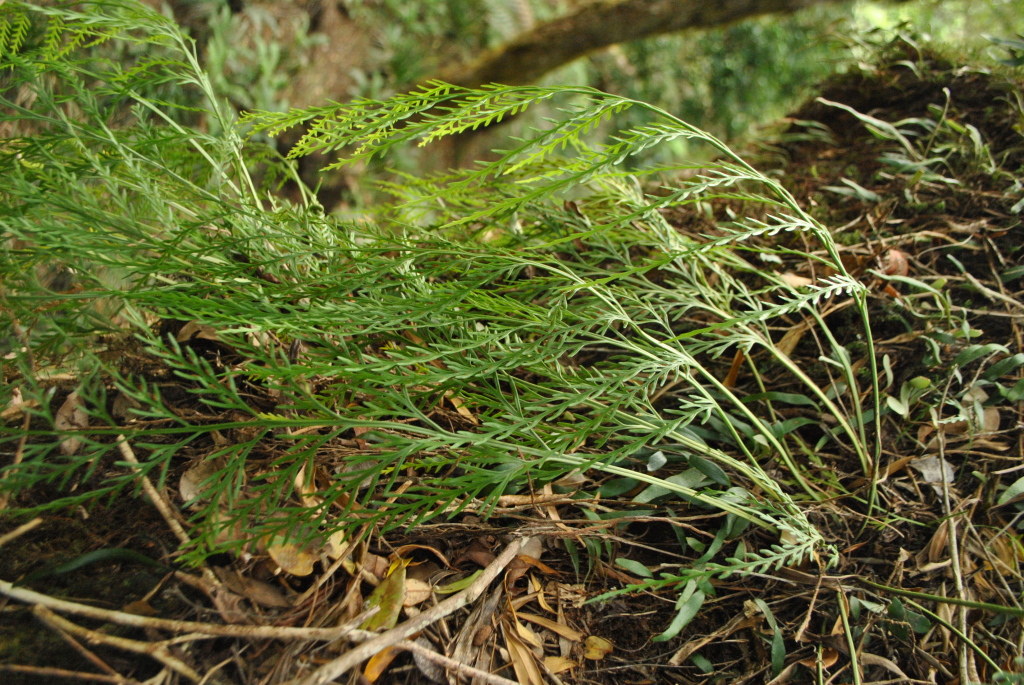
78, 646
201, 630
452, 664
19, 531
156, 650
361, 653
64, 673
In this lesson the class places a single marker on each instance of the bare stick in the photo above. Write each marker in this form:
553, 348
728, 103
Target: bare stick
452, 664
164, 507
62, 673
357, 655
19, 531
19, 456
79, 647
203, 630
156, 650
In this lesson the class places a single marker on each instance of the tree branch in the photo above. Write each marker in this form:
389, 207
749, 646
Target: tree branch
599, 24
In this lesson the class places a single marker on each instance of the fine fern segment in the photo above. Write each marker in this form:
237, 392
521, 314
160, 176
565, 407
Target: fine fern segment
484, 337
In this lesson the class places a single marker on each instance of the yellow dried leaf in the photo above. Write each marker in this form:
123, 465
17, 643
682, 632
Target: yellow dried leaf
555, 627
597, 648
559, 664
523, 662
292, 558
379, 663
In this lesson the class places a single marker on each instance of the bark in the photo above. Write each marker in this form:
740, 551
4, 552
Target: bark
599, 24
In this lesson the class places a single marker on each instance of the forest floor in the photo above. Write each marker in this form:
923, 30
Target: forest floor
936, 242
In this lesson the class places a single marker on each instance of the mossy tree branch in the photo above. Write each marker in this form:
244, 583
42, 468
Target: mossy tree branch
599, 24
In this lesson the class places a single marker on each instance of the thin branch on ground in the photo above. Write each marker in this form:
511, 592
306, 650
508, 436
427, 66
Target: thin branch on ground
200, 630
19, 531
357, 655
49, 672
156, 650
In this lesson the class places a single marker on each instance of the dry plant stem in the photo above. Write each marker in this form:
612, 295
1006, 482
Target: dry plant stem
79, 647
201, 630
156, 650
63, 673
19, 455
954, 545
452, 664
164, 507
361, 653
19, 531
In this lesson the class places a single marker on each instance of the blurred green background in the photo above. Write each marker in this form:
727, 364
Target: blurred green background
732, 81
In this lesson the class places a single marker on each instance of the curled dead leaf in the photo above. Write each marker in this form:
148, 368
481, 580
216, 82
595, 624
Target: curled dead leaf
416, 592
191, 484
291, 557
555, 627
829, 657
597, 648
795, 281
379, 663
71, 416
896, 263
194, 329
558, 664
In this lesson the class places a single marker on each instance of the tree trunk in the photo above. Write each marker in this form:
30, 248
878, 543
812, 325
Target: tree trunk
599, 24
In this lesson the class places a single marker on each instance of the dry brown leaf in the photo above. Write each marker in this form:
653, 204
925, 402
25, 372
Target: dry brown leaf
791, 338
335, 545
990, 420
539, 565
416, 592
140, 608
16, 406
264, 594
534, 547
896, 263
559, 664
541, 598
935, 471
376, 565
71, 416
795, 281
555, 627
294, 559
431, 669
829, 657
527, 634
190, 485
523, 661
194, 329
405, 551
461, 408
869, 659
573, 479
597, 648
379, 663
229, 606
305, 487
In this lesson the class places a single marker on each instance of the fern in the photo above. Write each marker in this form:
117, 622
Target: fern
555, 327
